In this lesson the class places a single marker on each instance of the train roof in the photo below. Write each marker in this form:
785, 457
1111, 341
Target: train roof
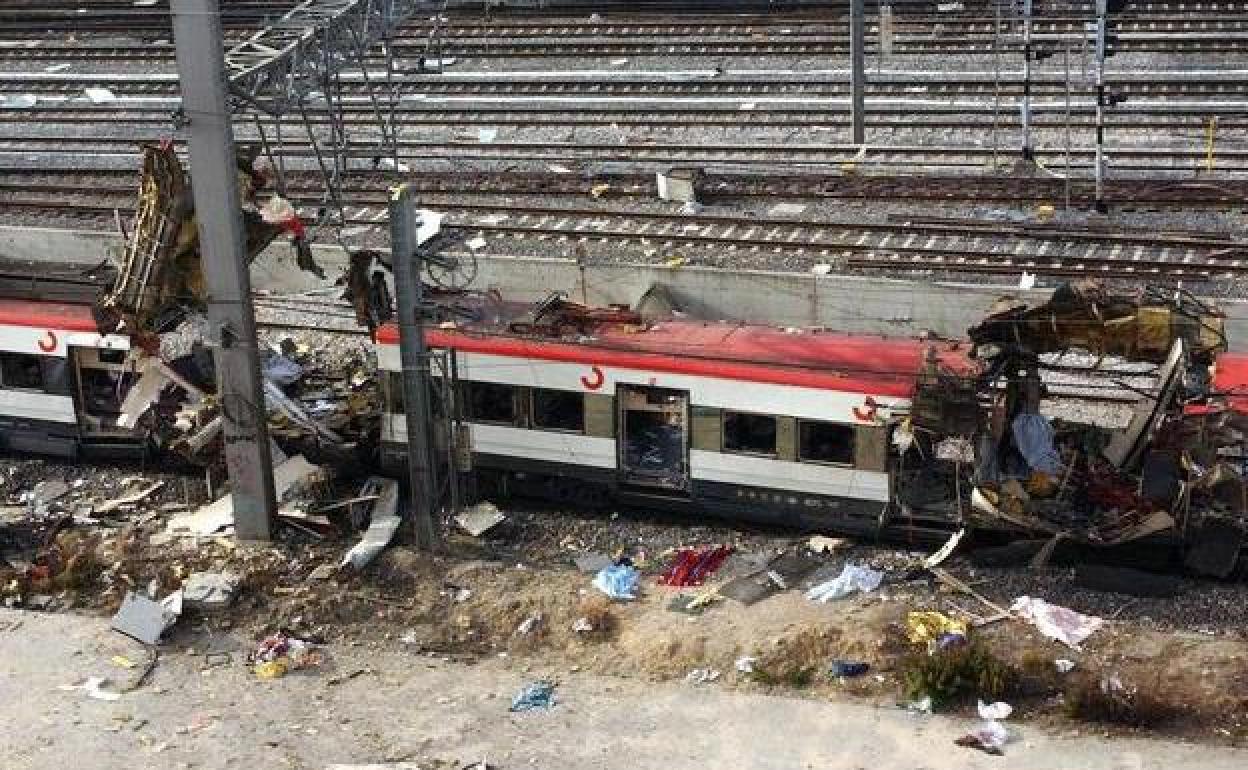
1230, 378
887, 366
58, 316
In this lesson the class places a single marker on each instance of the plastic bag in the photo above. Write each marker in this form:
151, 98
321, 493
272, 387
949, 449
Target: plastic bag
852, 578
619, 581
1061, 623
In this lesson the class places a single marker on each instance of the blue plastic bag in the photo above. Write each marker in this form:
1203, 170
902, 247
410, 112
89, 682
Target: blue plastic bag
539, 695
619, 581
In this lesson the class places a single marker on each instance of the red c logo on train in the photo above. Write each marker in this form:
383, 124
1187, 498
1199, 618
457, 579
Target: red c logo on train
47, 343
867, 411
596, 382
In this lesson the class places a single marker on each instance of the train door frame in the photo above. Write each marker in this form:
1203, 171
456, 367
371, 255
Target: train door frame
82, 359
673, 409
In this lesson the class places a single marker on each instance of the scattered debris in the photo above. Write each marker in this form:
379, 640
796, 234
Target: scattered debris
702, 676
323, 572
535, 696
94, 688
746, 663
1065, 625
146, 620
582, 626
129, 499
210, 591
931, 627
618, 581
279, 654
480, 518
853, 578
1064, 665
691, 566
529, 624
384, 523
994, 711
693, 604
945, 550
989, 737
921, 706
848, 669
824, 544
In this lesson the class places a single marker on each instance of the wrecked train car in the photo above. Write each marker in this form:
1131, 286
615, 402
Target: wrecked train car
62, 380
738, 420
911, 438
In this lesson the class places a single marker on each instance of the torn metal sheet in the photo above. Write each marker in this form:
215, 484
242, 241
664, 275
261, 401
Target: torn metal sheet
146, 620
1126, 447
480, 518
210, 591
382, 528
945, 550
129, 499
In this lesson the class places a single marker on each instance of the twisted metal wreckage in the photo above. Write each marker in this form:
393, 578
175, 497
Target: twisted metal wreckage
1174, 473
980, 446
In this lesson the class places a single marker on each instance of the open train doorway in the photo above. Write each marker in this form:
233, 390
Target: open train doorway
654, 437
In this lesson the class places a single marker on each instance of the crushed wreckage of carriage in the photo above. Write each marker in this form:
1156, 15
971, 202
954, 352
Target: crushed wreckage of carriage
1006, 451
84, 375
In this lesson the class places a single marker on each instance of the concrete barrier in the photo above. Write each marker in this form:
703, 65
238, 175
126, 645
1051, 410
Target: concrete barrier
848, 303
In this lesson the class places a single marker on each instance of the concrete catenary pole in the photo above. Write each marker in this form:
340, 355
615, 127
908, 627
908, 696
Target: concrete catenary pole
857, 62
1027, 56
1100, 106
218, 211
405, 252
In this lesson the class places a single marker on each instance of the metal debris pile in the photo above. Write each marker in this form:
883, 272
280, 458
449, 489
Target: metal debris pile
1175, 472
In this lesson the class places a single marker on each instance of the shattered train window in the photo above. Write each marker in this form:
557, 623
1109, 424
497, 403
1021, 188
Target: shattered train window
490, 402
558, 410
19, 370
755, 433
103, 390
826, 442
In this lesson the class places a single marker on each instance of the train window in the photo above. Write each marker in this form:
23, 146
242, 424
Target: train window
490, 402
56, 375
106, 356
753, 433
558, 410
20, 371
825, 442
103, 390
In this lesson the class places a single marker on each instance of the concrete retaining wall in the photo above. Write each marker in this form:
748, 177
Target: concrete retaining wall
842, 302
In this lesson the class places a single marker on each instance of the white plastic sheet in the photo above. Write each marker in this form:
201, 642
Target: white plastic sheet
1061, 623
852, 578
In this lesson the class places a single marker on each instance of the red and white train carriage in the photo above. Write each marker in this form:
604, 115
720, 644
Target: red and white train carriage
740, 420
62, 380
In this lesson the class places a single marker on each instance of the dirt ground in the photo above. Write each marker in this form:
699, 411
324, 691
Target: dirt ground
381, 705
1173, 667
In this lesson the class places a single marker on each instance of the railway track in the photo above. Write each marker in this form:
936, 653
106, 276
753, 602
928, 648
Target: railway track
32, 190
1229, 85
1184, 160
1227, 36
964, 246
1191, 118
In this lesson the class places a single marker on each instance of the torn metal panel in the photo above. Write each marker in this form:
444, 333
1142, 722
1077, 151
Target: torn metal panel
1126, 447
382, 528
160, 273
